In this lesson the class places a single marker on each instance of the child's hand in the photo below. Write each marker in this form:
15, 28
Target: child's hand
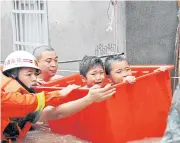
163, 68
68, 89
130, 79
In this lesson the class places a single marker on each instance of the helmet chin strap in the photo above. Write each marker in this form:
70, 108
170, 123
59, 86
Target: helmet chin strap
9, 74
30, 90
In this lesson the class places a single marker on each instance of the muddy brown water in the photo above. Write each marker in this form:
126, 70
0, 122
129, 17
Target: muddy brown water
43, 134
55, 138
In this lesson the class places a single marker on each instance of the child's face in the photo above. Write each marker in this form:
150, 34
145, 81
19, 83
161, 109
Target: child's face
119, 70
95, 76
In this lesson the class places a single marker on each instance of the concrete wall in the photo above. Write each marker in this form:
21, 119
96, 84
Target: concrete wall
146, 29
78, 28
150, 31
6, 29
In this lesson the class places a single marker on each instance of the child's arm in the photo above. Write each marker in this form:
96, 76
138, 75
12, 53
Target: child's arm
162, 68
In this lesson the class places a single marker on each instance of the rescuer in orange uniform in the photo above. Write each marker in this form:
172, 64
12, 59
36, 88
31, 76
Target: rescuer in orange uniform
21, 105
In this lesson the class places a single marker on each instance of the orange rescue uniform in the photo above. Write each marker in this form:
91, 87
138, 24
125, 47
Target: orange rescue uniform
17, 102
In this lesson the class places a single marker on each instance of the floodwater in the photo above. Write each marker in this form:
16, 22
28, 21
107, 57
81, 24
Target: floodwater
43, 134
38, 137
149, 140
44, 137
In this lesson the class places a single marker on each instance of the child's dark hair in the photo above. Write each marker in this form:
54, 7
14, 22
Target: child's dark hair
110, 60
89, 62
